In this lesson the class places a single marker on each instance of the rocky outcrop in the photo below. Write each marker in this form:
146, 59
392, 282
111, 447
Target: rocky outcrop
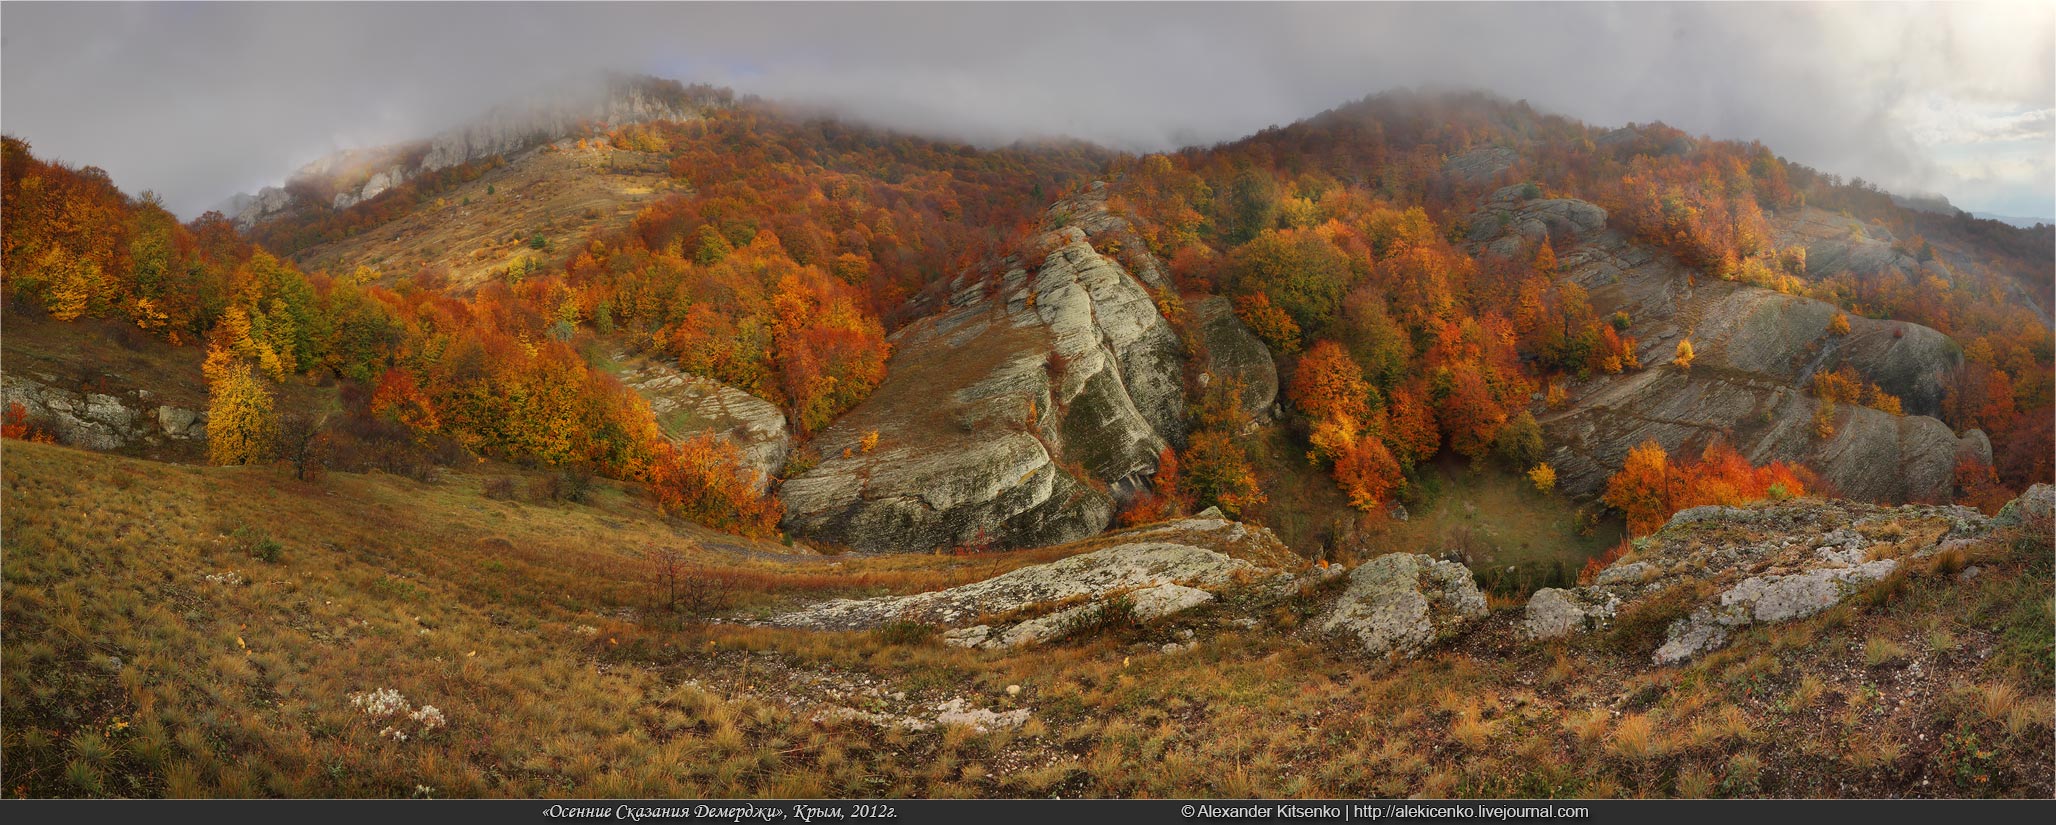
1480, 165
513, 128
1757, 352
373, 186
1739, 566
2035, 509
1650, 140
248, 210
1398, 604
1014, 417
689, 405
1554, 612
97, 421
1148, 574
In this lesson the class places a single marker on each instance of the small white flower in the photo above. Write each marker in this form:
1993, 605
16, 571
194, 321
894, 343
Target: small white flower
429, 717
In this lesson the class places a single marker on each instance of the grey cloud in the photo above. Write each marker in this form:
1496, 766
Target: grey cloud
199, 101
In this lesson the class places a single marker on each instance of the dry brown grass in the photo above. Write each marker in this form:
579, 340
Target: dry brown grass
537, 647
1634, 738
561, 195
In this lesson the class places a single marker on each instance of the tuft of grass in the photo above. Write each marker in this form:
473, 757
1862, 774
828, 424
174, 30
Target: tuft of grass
1695, 782
1876, 753
1589, 726
1805, 694
1940, 640
1995, 700
905, 632
1879, 652
1473, 731
1634, 738
1742, 775
2030, 715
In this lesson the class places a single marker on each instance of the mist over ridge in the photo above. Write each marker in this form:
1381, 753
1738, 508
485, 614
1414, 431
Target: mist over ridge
199, 101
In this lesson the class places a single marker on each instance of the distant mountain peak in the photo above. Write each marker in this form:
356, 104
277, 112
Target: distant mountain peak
352, 176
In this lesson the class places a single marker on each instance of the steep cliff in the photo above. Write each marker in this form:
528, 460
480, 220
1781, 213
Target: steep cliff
1019, 413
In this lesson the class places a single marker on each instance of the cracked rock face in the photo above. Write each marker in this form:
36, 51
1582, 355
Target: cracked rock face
1767, 599
1398, 604
1757, 352
1145, 604
1016, 415
1756, 565
1152, 572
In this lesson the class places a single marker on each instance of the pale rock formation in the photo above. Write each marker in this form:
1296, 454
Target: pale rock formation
1398, 604
1757, 352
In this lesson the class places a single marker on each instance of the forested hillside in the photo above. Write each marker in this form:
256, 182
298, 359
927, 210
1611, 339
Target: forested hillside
689, 445
781, 249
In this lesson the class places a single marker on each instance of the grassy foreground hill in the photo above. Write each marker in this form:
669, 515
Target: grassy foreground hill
186, 631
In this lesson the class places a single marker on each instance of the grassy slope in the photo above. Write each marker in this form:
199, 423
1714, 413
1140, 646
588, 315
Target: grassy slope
516, 620
1493, 514
1500, 518
477, 229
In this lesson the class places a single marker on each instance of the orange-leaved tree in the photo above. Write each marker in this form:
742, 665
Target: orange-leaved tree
1217, 471
1650, 488
242, 427
703, 479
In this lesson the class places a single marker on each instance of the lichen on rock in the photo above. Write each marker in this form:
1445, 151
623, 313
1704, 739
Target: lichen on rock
1396, 605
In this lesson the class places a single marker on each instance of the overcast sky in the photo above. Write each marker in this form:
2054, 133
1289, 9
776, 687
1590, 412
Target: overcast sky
200, 101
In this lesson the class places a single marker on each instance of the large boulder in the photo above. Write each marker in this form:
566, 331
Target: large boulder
1398, 604
1553, 612
2035, 508
1756, 354
1014, 417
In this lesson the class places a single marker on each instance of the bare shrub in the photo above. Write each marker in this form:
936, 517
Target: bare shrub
304, 441
690, 590
500, 488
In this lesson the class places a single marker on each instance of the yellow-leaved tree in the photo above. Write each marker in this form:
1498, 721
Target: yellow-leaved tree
241, 425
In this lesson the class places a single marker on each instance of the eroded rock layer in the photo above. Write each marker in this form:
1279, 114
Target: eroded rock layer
1021, 411
1756, 354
